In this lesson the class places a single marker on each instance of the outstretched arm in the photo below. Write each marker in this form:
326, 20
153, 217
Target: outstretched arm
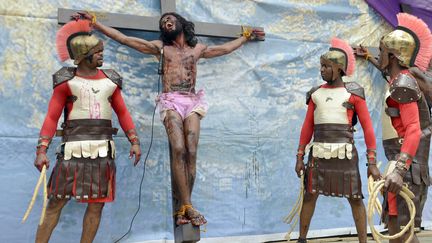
363, 52
228, 47
141, 45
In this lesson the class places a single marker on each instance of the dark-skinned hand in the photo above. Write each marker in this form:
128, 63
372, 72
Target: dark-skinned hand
135, 150
393, 182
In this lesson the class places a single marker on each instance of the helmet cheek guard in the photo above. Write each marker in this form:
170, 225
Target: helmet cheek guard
337, 60
341, 56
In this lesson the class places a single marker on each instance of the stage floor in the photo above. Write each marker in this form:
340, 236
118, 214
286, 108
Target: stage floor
424, 237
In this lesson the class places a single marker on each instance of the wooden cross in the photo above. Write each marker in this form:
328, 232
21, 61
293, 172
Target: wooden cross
184, 233
151, 24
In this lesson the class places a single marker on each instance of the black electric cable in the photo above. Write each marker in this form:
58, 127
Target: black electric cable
148, 151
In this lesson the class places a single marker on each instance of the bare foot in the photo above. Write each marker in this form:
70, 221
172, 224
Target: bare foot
181, 219
195, 217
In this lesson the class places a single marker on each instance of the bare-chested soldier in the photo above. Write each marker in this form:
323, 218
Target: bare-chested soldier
180, 106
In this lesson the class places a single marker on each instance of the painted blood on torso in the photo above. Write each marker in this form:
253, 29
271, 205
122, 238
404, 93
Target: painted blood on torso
179, 69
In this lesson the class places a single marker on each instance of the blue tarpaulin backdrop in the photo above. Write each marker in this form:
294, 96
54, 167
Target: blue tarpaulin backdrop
245, 177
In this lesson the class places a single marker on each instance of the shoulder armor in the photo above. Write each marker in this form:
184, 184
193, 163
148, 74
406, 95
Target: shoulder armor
114, 76
355, 89
310, 92
63, 75
404, 89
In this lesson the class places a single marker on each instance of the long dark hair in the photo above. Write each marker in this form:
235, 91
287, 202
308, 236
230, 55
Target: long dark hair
188, 29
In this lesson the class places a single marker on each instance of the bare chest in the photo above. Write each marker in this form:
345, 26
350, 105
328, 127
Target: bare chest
181, 56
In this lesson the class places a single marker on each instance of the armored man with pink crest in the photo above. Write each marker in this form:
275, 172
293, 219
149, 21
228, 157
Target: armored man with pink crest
332, 168
85, 168
406, 121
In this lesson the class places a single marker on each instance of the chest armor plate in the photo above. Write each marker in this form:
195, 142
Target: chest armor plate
329, 105
92, 98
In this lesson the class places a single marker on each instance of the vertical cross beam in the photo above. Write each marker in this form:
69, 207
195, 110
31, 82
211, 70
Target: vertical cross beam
186, 233
167, 6
183, 233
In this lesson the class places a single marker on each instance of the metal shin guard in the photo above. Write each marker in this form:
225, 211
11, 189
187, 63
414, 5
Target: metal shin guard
334, 177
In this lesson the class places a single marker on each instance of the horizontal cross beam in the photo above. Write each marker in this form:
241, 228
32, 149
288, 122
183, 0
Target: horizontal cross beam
122, 21
151, 24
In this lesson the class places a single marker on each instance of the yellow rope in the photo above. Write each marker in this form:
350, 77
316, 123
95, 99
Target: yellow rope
377, 203
182, 212
406, 194
246, 32
94, 17
371, 183
45, 199
295, 211
42, 178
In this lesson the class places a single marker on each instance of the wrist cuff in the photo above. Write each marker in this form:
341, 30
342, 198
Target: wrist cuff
133, 137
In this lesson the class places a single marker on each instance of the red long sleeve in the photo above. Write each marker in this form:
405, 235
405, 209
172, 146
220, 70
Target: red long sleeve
121, 110
407, 126
411, 132
55, 108
365, 121
308, 125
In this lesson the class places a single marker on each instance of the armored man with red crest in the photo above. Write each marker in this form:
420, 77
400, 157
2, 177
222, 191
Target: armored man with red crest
406, 120
332, 168
85, 168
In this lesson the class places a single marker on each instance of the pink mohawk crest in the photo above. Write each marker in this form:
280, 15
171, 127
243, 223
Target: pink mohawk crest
424, 36
347, 49
65, 32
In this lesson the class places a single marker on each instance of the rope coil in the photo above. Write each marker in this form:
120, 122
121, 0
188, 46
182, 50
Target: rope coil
406, 194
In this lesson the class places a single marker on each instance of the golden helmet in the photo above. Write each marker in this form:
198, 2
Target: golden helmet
82, 46
411, 42
75, 41
341, 57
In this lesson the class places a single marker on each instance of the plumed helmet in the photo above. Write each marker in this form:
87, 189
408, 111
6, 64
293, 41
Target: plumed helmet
411, 42
75, 41
341, 57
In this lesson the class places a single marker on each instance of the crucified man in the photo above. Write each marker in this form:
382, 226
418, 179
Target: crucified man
181, 107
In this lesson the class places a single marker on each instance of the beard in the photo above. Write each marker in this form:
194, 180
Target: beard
170, 36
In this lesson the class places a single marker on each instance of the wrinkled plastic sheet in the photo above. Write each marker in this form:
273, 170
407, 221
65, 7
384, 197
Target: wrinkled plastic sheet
245, 181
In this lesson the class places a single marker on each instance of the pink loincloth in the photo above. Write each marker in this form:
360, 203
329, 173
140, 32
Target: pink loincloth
183, 103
